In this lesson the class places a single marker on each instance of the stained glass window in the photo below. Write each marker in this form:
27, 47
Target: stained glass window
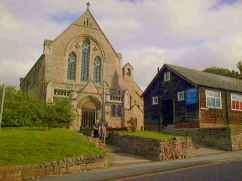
97, 69
116, 110
71, 70
85, 60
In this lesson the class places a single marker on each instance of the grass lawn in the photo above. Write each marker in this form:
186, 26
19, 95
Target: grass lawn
20, 146
149, 134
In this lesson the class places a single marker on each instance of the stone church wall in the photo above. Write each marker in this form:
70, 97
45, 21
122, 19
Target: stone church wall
33, 83
53, 74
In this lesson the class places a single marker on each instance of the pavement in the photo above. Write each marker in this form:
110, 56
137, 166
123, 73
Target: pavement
117, 158
128, 172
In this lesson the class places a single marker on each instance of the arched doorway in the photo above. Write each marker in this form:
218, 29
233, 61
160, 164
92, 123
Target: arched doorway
90, 111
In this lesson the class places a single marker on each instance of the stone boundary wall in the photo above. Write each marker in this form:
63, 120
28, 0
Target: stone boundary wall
236, 138
227, 138
153, 149
53, 168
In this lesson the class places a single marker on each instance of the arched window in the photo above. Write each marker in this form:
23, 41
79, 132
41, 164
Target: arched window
85, 60
97, 69
71, 70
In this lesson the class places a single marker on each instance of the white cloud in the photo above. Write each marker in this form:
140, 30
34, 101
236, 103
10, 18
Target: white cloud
146, 62
194, 33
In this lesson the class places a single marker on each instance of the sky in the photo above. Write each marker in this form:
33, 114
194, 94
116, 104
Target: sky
148, 33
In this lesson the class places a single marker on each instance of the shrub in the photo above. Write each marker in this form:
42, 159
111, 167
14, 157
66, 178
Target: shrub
132, 124
20, 110
59, 114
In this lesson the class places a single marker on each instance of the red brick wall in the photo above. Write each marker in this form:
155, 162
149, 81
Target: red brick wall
217, 117
187, 125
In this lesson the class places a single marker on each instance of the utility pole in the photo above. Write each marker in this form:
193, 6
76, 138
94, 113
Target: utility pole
103, 102
2, 104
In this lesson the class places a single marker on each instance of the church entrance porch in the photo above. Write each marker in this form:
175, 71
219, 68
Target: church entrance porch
88, 119
90, 111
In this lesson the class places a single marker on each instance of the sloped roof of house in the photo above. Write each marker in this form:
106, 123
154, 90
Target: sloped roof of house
207, 79
200, 78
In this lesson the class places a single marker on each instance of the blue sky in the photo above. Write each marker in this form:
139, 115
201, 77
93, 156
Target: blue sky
228, 1
192, 33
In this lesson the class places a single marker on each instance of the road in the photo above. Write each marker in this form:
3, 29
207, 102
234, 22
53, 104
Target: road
231, 171
218, 167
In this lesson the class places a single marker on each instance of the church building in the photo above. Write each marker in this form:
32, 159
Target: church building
82, 65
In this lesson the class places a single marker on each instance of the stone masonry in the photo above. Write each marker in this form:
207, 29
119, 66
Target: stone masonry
48, 78
153, 149
53, 168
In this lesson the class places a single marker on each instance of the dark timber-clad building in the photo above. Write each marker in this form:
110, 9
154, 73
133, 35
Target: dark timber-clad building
187, 98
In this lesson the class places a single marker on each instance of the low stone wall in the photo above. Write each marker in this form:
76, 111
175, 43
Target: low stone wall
153, 149
53, 168
227, 138
236, 139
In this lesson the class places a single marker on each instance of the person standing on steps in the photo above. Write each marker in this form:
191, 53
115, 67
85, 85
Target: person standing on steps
102, 131
95, 130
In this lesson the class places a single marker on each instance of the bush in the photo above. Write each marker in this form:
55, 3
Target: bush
20, 110
132, 124
59, 114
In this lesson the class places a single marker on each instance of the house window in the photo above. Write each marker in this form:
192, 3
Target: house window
167, 76
71, 70
180, 96
236, 102
213, 99
97, 69
155, 100
85, 60
62, 92
116, 110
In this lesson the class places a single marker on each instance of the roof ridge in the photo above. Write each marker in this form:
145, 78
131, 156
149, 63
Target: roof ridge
208, 73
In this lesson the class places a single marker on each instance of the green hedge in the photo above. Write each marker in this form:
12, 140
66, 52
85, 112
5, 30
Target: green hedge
20, 110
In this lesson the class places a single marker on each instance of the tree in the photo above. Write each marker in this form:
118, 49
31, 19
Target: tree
21, 110
239, 66
221, 71
60, 113
226, 72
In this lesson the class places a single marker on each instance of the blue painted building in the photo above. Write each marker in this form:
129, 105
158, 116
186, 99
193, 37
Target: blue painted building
187, 98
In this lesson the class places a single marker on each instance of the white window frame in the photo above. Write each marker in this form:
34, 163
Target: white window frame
232, 99
155, 100
62, 93
180, 96
167, 76
214, 97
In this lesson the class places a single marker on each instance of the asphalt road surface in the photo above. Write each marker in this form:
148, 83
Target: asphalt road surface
231, 171
217, 167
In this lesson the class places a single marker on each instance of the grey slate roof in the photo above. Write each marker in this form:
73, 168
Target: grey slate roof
207, 79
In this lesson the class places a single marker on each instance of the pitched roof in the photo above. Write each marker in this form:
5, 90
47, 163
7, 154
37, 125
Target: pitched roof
196, 77
207, 79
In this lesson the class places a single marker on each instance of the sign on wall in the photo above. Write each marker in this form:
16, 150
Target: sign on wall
191, 96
